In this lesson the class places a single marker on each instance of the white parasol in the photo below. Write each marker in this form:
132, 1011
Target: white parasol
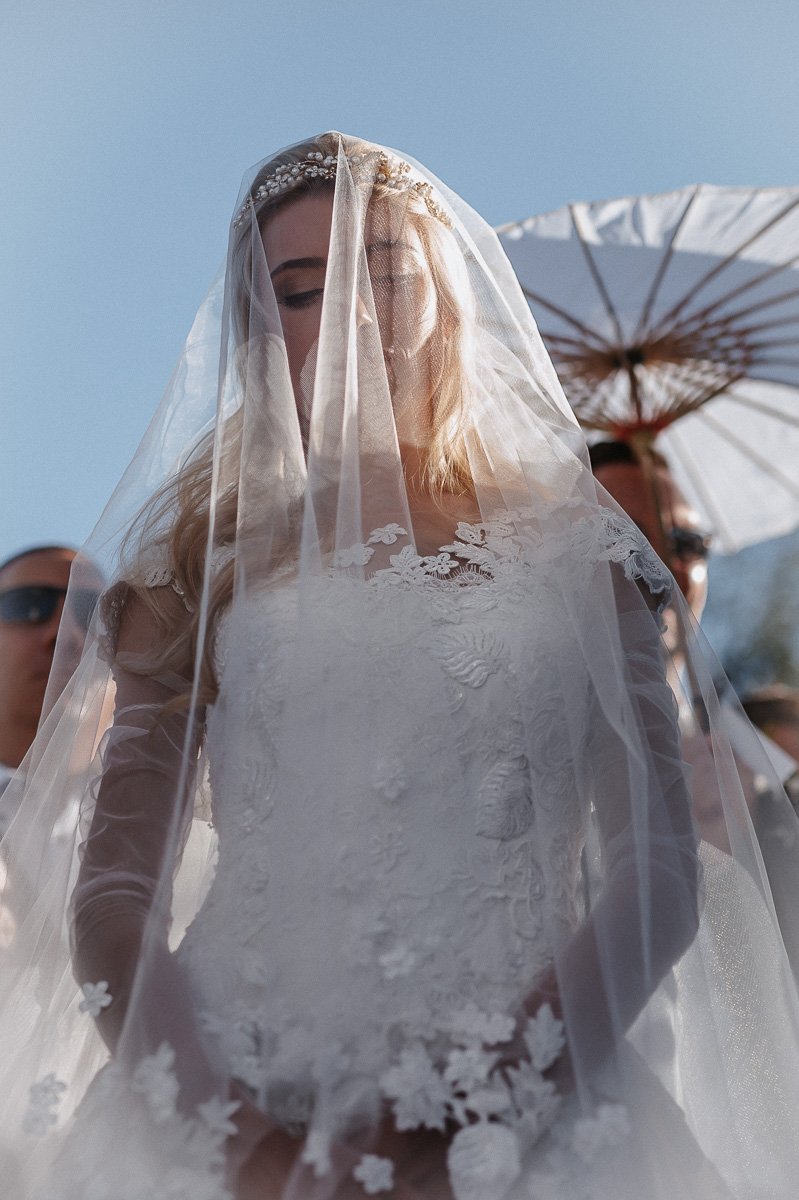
676, 317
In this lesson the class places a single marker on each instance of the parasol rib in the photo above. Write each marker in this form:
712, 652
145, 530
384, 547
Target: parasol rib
790, 485
765, 409
714, 513
596, 276
727, 260
536, 298
700, 314
642, 326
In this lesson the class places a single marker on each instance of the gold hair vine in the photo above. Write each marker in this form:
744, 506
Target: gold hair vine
390, 174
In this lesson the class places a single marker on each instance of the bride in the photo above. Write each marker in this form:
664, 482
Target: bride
382, 871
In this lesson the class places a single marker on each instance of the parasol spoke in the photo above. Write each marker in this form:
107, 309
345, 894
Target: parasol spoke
643, 322
596, 276
776, 362
765, 409
770, 343
699, 317
586, 330
715, 513
728, 259
562, 339
758, 326
789, 484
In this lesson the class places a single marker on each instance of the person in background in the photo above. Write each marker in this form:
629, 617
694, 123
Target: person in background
685, 547
774, 710
33, 586
680, 541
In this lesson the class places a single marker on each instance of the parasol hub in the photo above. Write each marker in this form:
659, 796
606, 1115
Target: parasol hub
629, 356
641, 435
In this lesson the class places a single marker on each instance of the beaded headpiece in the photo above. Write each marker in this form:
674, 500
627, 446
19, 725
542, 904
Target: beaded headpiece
391, 173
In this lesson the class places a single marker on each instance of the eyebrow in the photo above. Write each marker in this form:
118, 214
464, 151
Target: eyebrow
294, 263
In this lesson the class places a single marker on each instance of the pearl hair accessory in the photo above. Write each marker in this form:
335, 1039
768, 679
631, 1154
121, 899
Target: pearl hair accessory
390, 174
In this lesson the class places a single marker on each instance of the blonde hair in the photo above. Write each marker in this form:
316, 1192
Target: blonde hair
182, 507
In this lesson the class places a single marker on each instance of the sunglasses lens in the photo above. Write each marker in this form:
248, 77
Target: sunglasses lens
82, 603
688, 543
29, 605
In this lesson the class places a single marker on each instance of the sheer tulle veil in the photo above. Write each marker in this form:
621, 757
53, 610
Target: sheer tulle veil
365, 816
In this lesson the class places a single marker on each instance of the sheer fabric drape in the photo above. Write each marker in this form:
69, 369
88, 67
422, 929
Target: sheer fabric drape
360, 852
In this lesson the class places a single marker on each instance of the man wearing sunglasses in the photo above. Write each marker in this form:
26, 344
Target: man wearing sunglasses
685, 547
33, 588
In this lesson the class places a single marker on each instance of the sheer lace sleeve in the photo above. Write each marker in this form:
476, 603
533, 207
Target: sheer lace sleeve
121, 903
645, 912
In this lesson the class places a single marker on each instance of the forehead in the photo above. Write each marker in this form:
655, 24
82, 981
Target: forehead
301, 228
298, 229
50, 568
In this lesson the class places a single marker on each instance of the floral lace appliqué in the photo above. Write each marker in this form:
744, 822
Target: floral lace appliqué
376, 1174
154, 1078
96, 997
44, 1098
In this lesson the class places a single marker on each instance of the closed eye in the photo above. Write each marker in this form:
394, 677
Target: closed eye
301, 299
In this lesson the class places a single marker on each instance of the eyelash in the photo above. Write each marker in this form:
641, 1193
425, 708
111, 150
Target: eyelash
302, 299
306, 299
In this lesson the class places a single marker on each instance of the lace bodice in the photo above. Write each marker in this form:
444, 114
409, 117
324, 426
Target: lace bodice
365, 893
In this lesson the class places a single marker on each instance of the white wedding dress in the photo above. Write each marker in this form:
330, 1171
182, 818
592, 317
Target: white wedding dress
339, 815
378, 910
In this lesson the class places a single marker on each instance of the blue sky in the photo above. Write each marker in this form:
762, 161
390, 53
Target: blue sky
127, 127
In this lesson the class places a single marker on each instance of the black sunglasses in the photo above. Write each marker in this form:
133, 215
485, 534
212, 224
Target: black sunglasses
34, 604
689, 543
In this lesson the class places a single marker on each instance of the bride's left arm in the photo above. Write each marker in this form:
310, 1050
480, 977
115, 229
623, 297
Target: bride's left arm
646, 912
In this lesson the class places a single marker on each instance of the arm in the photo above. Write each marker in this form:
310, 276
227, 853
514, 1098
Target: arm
646, 913
121, 902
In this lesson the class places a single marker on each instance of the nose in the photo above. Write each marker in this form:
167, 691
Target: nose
62, 627
48, 630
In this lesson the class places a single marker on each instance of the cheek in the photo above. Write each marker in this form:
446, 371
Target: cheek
408, 316
300, 332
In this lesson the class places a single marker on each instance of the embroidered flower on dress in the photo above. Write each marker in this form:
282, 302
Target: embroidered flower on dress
544, 1038
96, 997
355, 556
43, 1100
609, 1128
154, 1078
536, 1100
408, 566
376, 1174
438, 564
397, 962
216, 1115
419, 1093
469, 1024
469, 1067
493, 1100
387, 534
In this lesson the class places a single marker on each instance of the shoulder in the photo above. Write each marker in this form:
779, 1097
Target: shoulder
600, 534
144, 598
